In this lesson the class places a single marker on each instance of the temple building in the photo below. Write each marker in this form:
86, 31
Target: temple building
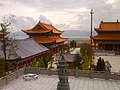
23, 52
108, 36
47, 35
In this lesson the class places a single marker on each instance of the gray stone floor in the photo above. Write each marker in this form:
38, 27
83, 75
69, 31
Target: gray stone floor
46, 82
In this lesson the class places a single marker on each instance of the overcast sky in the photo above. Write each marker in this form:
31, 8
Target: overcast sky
64, 14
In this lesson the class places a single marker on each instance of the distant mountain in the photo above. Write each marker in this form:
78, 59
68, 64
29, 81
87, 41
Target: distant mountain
77, 33
67, 33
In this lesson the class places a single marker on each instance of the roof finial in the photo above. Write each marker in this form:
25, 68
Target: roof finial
117, 20
102, 21
39, 21
91, 11
50, 23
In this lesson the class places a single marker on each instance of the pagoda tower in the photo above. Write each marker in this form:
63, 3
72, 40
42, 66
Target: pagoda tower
47, 35
108, 36
63, 83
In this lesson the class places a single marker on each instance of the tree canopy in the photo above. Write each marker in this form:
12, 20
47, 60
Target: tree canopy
85, 54
73, 43
78, 61
100, 65
85, 49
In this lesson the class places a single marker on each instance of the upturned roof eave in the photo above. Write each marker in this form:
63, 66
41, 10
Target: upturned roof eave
26, 31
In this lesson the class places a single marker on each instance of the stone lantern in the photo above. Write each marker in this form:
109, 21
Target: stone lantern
63, 83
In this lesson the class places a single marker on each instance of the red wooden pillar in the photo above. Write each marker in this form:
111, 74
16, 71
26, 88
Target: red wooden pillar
91, 52
55, 50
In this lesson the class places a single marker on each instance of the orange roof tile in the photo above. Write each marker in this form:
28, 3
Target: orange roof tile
43, 40
58, 39
36, 31
50, 27
43, 28
106, 37
109, 26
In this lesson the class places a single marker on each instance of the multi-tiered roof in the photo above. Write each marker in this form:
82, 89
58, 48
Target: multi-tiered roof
45, 33
108, 31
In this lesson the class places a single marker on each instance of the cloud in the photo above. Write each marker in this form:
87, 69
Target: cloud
62, 26
43, 19
63, 14
1, 4
20, 23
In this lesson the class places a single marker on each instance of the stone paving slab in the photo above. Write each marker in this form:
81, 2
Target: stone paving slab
46, 82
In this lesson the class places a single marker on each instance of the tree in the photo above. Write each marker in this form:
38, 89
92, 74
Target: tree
47, 59
43, 61
78, 61
5, 26
34, 64
100, 65
9, 67
67, 49
84, 52
2, 70
73, 43
85, 62
85, 48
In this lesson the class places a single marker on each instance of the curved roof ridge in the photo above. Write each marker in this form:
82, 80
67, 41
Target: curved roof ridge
56, 28
50, 26
37, 31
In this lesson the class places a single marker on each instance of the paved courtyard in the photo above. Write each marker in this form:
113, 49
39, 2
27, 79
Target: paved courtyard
46, 82
114, 61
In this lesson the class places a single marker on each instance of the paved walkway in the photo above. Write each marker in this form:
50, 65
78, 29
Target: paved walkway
46, 82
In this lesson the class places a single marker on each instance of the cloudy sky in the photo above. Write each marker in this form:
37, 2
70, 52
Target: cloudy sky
63, 14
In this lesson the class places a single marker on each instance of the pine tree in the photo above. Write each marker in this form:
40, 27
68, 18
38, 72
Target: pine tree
2, 70
100, 65
85, 62
78, 61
